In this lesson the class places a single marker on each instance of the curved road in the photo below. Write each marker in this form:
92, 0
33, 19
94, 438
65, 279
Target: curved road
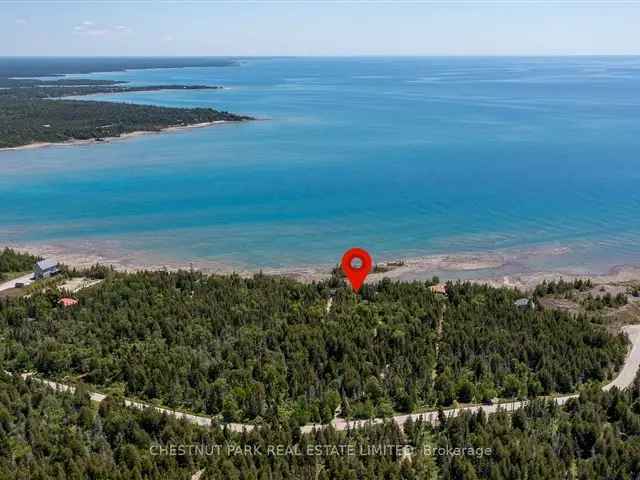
623, 380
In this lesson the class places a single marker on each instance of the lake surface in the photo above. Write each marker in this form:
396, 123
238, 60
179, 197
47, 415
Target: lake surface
403, 156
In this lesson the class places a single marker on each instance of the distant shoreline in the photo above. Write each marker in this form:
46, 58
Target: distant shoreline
460, 266
45, 114
124, 136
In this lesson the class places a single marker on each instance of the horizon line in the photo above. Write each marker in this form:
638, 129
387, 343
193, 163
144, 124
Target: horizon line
354, 55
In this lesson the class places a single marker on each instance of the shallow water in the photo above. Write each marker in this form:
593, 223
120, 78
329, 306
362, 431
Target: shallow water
403, 156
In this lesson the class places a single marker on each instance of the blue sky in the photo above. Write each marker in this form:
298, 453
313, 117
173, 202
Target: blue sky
530, 27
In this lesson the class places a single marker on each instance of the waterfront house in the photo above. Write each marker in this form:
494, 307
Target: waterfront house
45, 268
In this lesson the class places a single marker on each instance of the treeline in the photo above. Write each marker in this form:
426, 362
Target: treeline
14, 262
12, 67
600, 302
562, 287
77, 88
34, 82
264, 349
46, 435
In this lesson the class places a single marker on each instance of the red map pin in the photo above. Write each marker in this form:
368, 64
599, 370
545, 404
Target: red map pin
356, 274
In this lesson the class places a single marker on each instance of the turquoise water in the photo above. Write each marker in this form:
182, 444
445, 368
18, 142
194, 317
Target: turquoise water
403, 156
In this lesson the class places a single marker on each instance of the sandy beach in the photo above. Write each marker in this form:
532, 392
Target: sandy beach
124, 136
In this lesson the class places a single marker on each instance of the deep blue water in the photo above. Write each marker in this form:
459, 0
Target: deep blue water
403, 156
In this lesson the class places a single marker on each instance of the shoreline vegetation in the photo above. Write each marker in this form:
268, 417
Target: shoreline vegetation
36, 113
475, 267
102, 140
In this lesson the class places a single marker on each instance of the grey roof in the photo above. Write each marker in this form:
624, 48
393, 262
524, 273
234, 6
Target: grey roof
521, 302
46, 264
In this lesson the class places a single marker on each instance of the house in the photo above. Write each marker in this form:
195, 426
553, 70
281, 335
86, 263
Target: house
440, 288
524, 303
67, 302
45, 268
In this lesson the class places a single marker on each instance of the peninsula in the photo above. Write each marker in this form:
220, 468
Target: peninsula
35, 111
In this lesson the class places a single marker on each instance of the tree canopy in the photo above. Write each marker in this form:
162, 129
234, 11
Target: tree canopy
265, 349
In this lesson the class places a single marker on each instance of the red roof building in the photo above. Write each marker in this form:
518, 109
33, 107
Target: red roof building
68, 302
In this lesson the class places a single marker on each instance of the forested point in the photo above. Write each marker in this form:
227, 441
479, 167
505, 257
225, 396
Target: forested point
46, 435
31, 112
35, 114
265, 349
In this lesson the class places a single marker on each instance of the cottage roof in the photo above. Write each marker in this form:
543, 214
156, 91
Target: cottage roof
46, 264
67, 302
440, 288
